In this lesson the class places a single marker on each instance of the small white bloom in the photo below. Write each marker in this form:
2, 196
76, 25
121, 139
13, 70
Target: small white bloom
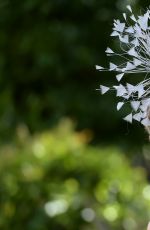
128, 118
125, 16
135, 105
148, 227
112, 66
133, 18
129, 8
119, 76
109, 51
119, 105
145, 122
104, 89
98, 67
137, 116
134, 37
121, 90
131, 89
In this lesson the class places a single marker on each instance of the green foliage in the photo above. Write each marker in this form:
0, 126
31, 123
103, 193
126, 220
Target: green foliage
55, 180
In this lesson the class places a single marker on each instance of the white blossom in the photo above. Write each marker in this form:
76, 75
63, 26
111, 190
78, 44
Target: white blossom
148, 227
119, 105
134, 37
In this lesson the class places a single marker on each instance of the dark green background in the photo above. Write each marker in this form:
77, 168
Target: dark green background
48, 53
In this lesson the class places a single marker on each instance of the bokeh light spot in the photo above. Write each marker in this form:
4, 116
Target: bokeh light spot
111, 213
57, 207
146, 192
88, 214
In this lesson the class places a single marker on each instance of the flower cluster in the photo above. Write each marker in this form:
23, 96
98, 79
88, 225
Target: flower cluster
134, 38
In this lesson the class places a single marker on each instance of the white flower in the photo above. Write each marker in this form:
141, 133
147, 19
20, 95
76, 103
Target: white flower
134, 38
148, 227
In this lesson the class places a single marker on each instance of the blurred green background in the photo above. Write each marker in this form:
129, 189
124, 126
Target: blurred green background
68, 160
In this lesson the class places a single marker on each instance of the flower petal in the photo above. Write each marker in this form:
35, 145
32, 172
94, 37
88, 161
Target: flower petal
121, 90
137, 62
130, 30
125, 16
128, 118
140, 90
133, 18
131, 88
124, 39
143, 21
137, 116
114, 33
119, 76
104, 89
112, 66
148, 227
98, 67
119, 105
119, 26
110, 51
129, 8
130, 66
145, 122
135, 105
132, 52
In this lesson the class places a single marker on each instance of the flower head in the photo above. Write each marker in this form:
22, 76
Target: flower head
134, 38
